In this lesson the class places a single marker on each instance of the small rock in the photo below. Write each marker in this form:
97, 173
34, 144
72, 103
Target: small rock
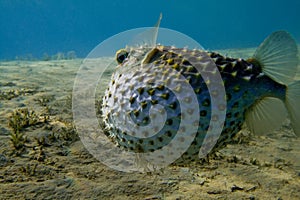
254, 161
202, 181
4, 131
235, 188
9, 84
3, 160
61, 166
252, 197
154, 197
215, 192
267, 164
169, 182
185, 169
251, 189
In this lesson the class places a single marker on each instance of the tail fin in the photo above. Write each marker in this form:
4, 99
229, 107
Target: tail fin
278, 57
293, 105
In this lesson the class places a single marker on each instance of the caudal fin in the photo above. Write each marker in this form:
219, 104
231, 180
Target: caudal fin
293, 105
278, 57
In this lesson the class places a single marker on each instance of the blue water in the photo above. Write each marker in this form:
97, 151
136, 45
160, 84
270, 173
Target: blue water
49, 26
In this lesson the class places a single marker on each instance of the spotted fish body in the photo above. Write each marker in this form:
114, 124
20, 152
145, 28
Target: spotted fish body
147, 77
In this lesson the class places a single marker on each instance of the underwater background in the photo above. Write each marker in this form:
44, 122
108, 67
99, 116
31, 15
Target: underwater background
36, 27
42, 46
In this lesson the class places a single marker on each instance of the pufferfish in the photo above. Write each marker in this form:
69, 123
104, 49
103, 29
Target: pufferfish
259, 91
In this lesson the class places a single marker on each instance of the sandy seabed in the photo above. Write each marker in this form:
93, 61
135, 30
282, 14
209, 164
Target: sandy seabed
52, 163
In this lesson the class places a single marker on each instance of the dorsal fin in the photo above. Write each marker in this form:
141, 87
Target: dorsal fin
148, 37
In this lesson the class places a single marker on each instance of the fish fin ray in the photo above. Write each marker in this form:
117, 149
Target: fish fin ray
278, 57
265, 116
148, 37
293, 105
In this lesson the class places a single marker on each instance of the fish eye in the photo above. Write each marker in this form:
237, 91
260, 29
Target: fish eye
121, 55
